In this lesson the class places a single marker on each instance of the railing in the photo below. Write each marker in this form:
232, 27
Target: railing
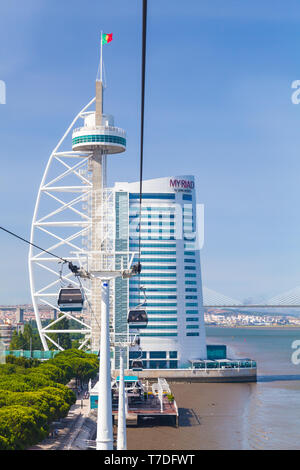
219, 365
35, 354
103, 129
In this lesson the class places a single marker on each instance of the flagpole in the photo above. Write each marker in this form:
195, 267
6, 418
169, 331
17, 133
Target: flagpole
101, 58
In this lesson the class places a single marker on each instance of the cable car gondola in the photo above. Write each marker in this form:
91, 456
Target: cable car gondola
137, 365
137, 317
70, 299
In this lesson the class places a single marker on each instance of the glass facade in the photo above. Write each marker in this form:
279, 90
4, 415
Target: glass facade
169, 273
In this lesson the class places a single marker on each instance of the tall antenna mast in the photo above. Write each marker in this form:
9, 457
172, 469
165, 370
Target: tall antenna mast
99, 89
101, 58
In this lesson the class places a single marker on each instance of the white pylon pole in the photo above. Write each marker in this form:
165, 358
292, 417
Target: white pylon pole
104, 440
121, 439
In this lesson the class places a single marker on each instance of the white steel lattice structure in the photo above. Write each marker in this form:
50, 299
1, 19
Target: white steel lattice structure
60, 226
74, 219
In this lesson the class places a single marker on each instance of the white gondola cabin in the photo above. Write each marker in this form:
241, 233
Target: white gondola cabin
138, 318
70, 299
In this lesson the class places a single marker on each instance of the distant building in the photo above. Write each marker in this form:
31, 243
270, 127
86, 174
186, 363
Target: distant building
20, 328
2, 352
20, 315
6, 331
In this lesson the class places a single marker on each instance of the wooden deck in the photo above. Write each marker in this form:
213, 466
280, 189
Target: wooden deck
150, 408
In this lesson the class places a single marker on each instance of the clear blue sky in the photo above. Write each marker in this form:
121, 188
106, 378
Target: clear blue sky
218, 106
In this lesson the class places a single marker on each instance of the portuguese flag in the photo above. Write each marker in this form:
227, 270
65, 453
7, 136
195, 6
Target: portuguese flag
106, 38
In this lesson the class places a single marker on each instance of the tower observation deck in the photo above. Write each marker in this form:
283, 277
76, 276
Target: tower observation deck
106, 137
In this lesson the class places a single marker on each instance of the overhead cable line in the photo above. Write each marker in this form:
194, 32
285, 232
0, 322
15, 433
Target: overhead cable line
72, 267
142, 114
143, 80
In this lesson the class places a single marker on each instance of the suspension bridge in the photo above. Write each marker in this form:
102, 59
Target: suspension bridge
288, 299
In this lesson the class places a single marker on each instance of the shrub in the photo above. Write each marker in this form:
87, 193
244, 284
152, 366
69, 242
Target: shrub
21, 426
32, 396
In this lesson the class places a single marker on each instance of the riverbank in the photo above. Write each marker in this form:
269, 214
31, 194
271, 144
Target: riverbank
276, 327
210, 417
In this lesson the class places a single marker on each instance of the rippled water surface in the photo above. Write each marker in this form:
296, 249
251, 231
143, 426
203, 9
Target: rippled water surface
272, 412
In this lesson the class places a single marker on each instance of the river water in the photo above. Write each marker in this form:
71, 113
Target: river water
272, 412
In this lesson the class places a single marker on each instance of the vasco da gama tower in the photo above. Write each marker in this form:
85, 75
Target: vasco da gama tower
80, 219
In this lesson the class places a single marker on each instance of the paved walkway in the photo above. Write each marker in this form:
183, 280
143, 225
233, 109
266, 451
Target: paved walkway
66, 430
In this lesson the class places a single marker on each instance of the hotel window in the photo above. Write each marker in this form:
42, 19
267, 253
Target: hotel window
173, 364
159, 253
155, 230
148, 223
153, 335
158, 355
158, 260
162, 312
159, 327
157, 320
153, 245
159, 267
137, 354
150, 304
156, 237
157, 364
153, 282
152, 196
155, 297
157, 275
189, 246
158, 289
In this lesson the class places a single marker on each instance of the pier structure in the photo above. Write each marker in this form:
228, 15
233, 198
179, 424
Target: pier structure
144, 400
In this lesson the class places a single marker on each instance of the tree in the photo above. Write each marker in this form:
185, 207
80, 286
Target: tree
33, 394
26, 340
21, 426
17, 341
62, 339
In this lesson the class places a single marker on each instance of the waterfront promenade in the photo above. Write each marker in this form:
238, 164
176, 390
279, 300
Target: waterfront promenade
65, 433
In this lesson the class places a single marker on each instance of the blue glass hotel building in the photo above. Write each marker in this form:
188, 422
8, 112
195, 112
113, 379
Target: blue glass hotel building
171, 272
